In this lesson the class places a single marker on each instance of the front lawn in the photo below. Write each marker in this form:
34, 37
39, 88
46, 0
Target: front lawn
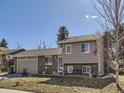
55, 84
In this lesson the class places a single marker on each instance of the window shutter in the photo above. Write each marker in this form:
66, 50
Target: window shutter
88, 47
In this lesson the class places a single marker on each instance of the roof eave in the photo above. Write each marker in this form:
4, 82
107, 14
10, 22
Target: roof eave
66, 42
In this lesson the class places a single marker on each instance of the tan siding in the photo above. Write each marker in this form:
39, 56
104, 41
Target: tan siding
77, 56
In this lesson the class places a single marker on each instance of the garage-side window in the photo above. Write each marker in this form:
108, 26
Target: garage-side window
48, 61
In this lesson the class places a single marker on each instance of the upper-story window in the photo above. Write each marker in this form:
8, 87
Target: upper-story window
68, 49
85, 47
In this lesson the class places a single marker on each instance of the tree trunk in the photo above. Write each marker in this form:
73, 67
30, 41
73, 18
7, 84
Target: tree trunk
117, 75
117, 81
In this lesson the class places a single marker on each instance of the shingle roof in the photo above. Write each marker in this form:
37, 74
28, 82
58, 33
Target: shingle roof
40, 52
73, 39
3, 48
10, 51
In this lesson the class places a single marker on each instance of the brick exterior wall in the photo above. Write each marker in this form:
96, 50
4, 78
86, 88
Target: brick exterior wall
50, 68
77, 68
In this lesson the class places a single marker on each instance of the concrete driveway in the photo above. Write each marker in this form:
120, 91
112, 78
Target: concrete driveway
12, 91
6, 75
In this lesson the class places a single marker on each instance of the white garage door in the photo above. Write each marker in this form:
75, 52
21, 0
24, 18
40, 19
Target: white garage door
29, 63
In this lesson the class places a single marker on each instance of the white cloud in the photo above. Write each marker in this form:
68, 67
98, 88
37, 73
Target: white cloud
90, 16
86, 16
94, 17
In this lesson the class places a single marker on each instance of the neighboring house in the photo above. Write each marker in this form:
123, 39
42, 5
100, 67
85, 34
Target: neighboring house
83, 55
43, 61
3, 48
8, 60
1, 52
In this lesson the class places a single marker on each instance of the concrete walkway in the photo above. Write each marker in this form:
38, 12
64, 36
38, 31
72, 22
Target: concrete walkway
12, 91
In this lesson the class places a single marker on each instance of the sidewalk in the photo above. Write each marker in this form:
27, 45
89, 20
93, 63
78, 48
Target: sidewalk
12, 91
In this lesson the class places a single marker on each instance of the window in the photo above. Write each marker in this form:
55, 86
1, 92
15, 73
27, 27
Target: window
69, 69
68, 49
48, 61
86, 69
85, 47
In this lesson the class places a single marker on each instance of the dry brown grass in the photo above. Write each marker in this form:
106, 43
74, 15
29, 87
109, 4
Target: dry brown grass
121, 77
60, 85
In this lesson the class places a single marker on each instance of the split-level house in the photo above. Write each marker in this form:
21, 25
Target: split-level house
42, 61
79, 55
83, 55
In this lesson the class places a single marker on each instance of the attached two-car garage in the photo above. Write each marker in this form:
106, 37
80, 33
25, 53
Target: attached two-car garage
30, 64
34, 60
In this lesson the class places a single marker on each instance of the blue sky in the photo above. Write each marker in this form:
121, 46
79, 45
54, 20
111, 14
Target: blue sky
29, 21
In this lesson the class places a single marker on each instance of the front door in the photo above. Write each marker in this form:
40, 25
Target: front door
60, 64
12, 69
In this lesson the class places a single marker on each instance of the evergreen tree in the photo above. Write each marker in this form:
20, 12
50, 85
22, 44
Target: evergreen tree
3, 43
63, 33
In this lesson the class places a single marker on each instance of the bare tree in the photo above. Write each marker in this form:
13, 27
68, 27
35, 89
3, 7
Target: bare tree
19, 45
43, 45
110, 16
50, 45
39, 46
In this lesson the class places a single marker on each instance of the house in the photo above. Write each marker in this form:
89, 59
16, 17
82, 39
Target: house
1, 51
44, 61
3, 48
7, 60
83, 55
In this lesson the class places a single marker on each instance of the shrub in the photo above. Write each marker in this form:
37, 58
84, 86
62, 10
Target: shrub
24, 73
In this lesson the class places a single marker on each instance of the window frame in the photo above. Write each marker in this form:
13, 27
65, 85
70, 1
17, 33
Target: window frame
87, 47
66, 51
86, 69
48, 62
68, 69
